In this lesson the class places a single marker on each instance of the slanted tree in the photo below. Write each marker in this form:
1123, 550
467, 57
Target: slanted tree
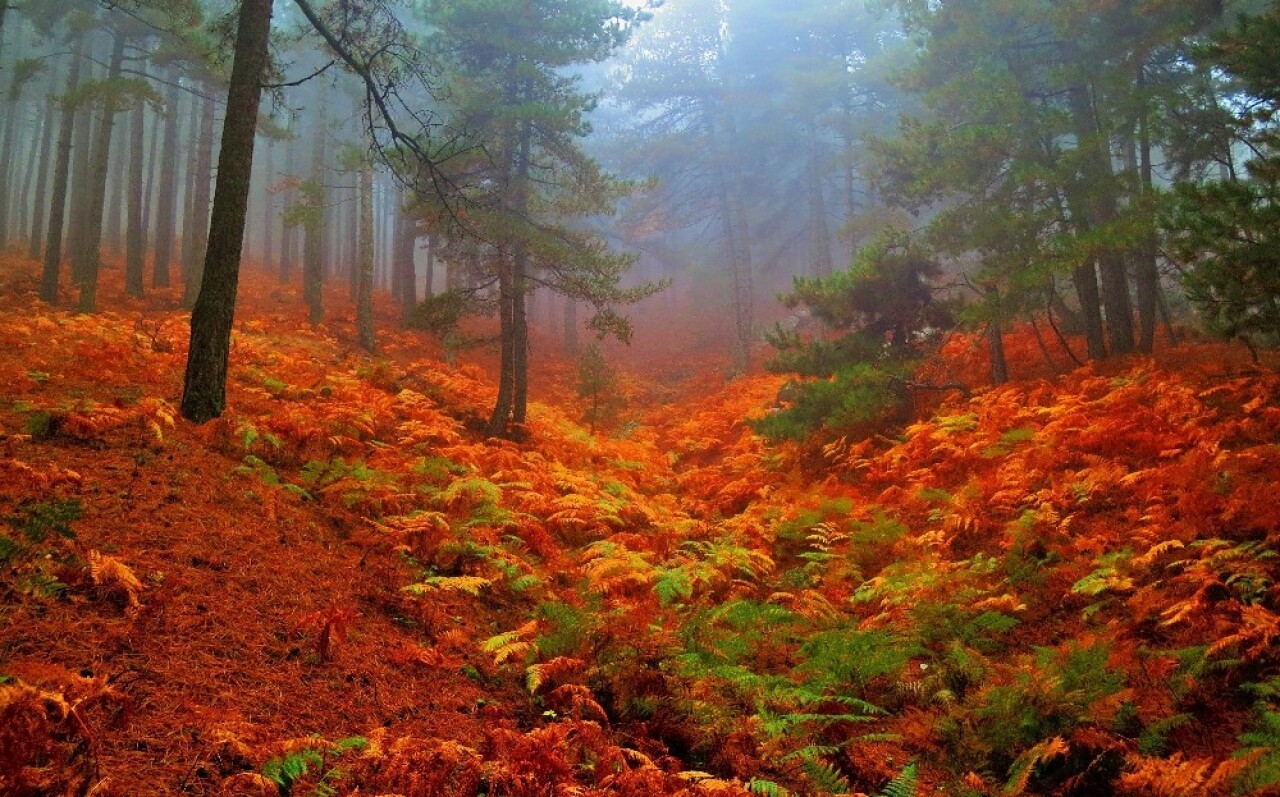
204, 386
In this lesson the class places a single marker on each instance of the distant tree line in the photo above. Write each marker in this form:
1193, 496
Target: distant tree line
1091, 168
390, 126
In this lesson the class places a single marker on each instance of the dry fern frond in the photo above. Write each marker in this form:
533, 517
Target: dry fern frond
468, 584
1026, 763
538, 675
250, 784
510, 644
1179, 777
113, 577
577, 701
1259, 633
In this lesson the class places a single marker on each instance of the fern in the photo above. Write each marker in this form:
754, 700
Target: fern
826, 778
468, 584
766, 788
672, 586
904, 785
1023, 768
510, 644
476, 489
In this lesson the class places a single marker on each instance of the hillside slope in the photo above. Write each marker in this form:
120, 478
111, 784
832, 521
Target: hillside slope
1061, 586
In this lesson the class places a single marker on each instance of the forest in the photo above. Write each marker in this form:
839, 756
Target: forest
707, 398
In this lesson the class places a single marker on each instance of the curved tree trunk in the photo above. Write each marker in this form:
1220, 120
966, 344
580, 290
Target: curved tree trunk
204, 388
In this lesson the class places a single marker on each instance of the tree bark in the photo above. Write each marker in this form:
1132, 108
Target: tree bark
204, 389
61, 175
91, 250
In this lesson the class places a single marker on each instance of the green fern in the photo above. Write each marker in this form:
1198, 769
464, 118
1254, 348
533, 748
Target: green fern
1264, 738
673, 586
766, 788
826, 778
904, 785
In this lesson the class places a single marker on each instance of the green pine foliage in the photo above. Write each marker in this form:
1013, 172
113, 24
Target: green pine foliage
880, 315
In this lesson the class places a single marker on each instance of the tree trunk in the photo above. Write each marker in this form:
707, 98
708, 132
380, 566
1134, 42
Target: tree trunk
1146, 273
288, 198
136, 240
31, 157
149, 188
511, 382
193, 267
519, 293
364, 279
506, 334
570, 327
313, 246
7, 146
61, 175
737, 243
820, 235
406, 246
78, 191
37, 230
1085, 280
429, 270
167, 200
204, 389
91, 251
269, 207
4, 12
115, 198
354, 224
1095, 206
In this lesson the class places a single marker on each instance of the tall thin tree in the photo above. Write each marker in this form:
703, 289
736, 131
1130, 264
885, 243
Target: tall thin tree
204, 387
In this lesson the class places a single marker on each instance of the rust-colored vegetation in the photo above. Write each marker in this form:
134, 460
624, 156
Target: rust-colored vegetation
1063, 585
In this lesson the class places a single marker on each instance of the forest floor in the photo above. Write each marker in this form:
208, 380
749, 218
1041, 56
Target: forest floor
1066, 585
